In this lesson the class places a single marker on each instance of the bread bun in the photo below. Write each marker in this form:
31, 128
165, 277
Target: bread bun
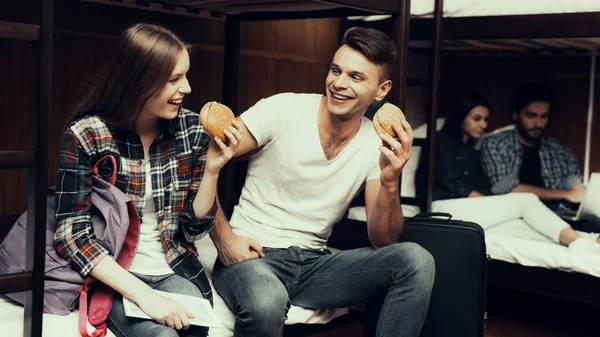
385, 117
215, 118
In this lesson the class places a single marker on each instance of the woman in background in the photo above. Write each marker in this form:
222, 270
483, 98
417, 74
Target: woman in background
461, 188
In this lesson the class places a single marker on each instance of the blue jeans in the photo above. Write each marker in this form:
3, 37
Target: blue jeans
260, 291
123, 326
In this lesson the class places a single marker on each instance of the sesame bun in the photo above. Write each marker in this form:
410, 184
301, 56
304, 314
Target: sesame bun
385, 117
216, 117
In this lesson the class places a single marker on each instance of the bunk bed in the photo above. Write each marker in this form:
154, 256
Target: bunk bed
441, 33
17, 321
35, 160
514, 28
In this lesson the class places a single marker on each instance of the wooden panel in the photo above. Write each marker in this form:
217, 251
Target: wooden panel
498, 77
16, 61
512, 27
549, 282
17, 159
14, 283
91, 17
377, 6
19, 31
281, 56
260, 78
315, 39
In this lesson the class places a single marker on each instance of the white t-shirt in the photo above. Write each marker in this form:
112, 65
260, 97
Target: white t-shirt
293, 195
149, 258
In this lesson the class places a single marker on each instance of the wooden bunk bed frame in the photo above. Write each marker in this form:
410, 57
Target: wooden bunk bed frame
36, 160
233, 12
548, 282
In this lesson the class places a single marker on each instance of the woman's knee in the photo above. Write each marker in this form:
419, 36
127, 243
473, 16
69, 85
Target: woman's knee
526, 199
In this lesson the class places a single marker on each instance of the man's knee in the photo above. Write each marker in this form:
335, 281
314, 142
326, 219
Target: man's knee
254, 294
265, 306
416, 262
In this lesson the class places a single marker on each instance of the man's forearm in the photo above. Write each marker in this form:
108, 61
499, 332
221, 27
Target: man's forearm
386, 220
542, 193
222, 228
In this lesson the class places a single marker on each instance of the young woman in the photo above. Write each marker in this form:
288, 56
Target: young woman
166, 163
462, 189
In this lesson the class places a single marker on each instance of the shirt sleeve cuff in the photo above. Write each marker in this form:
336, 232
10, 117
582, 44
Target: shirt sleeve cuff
196, 227
505, 185
571, 181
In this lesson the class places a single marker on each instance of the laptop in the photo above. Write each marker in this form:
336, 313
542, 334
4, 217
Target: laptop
590, 205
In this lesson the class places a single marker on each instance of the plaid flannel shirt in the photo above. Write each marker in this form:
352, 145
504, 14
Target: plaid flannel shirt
177, 158
502, 157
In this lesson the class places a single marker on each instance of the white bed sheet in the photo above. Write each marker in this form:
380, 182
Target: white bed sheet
11, 322
465, 8
515, 242
11, 314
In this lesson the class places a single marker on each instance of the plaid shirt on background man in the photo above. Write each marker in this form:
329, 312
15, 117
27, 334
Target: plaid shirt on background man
177, 159
502, 157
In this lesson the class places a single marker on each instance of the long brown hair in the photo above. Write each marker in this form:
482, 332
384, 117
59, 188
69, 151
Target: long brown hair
139, 66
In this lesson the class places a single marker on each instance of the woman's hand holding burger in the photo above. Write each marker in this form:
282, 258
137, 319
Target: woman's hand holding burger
219, 122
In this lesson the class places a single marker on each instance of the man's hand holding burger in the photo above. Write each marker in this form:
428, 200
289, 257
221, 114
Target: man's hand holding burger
397, 138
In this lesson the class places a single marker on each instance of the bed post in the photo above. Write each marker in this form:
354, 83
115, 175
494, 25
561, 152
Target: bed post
231, 64
401, 34
590, 117
38, 175
434, 74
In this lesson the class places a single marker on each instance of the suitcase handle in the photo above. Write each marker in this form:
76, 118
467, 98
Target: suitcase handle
433, 215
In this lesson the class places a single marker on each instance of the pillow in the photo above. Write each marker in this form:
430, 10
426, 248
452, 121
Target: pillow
410, 169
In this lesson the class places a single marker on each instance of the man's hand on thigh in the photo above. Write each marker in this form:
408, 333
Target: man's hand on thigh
235, 248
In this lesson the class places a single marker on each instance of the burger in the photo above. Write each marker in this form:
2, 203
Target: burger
215, 118
385, 117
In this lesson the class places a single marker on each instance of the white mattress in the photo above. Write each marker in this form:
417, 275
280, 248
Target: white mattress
11, 314
463, 8
470, 8
515, 242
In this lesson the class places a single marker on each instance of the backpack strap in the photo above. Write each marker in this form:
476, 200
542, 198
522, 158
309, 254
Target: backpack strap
102, 296
82, 292
113, 178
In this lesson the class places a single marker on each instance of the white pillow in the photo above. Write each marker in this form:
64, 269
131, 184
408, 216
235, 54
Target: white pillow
410, 169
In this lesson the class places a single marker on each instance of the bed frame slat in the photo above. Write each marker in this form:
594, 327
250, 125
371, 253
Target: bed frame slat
19, 31
17, 159
14, 283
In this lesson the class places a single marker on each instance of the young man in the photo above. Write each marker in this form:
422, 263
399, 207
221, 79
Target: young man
315, 153
526, 160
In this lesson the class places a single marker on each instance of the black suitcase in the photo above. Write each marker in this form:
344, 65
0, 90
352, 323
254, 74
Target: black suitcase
457, 307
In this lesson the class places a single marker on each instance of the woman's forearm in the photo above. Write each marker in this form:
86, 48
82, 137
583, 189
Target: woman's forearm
109, 272
205, 198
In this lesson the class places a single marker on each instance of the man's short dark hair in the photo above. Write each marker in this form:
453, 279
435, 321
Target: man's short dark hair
529, 93
375, 46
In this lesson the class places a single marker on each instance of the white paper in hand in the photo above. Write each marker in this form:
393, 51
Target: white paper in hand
200, 307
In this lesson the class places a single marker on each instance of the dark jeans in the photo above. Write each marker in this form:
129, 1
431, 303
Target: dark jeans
260, 291
123, 326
